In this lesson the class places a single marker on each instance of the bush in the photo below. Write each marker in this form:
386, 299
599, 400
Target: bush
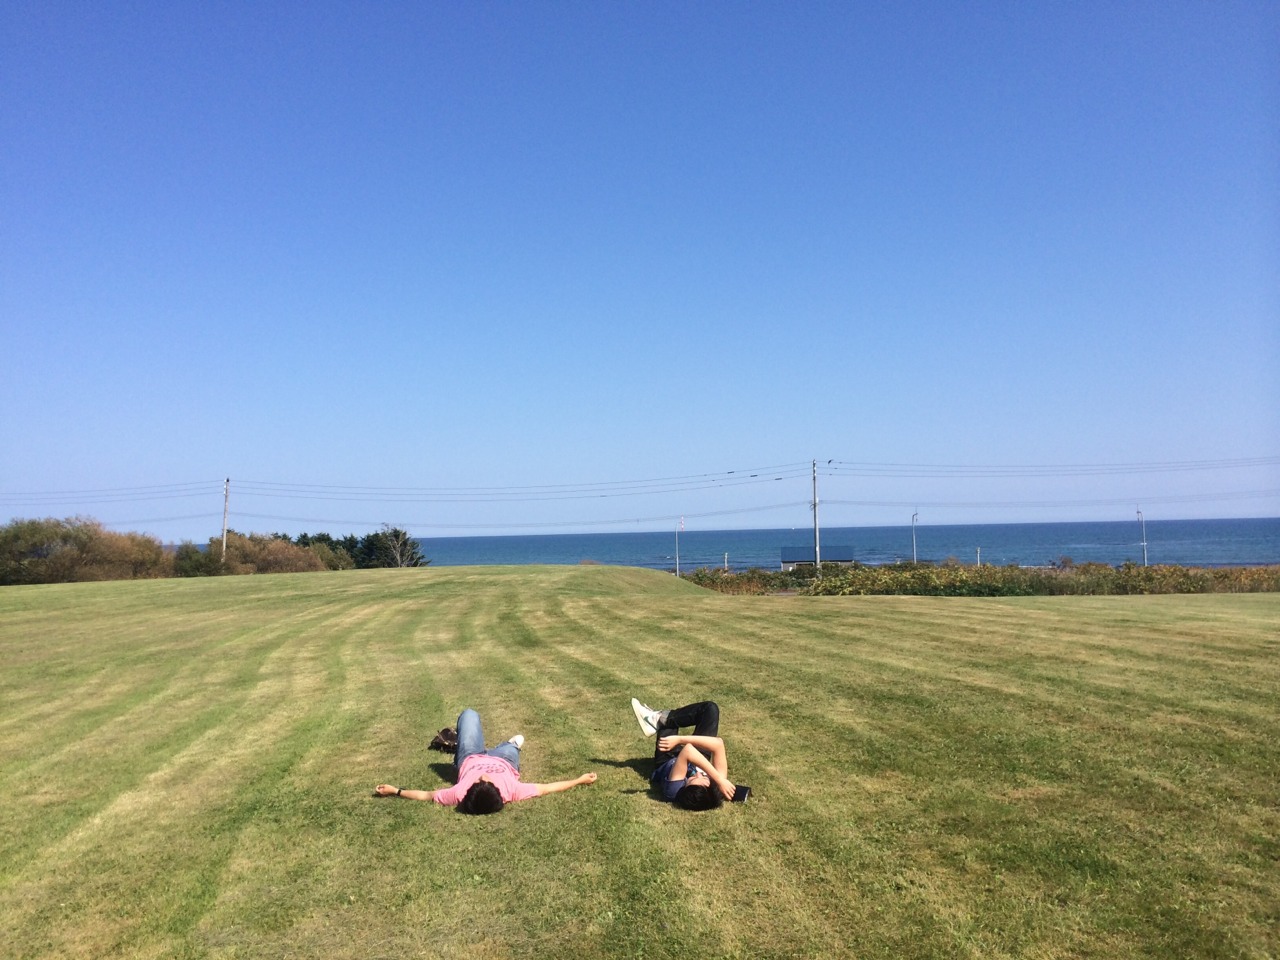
79, 549
73, 550
755, 581
1246, 579
190, 561
333, 557
262, 553
124, 556
1087, 579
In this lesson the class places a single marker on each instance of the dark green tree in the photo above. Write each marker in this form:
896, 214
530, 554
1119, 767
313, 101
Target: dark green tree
45, 551
389, 547
190, 561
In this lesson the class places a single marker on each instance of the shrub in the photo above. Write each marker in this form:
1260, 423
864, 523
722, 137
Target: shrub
755, 581
1246, 579
1086, 579
75, 549
333, 558
124, 556
43, 551
259, 553
190, 561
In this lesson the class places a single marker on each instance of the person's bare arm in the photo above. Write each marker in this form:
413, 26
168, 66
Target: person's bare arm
561, 785
707, 747
387, 790
717, 770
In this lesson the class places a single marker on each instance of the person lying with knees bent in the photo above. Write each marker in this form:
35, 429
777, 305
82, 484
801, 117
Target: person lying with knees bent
487, 779
690, 770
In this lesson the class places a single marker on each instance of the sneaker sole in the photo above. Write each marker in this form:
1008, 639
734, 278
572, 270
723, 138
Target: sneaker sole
648, 728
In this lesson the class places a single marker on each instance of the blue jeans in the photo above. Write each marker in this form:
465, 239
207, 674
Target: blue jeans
471, 741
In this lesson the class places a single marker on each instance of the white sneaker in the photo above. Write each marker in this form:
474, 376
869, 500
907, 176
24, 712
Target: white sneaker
518, 740
648, 718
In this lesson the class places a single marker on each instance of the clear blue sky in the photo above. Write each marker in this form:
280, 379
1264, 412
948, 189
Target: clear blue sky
414, 263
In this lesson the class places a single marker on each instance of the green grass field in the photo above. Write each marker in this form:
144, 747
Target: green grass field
186, 766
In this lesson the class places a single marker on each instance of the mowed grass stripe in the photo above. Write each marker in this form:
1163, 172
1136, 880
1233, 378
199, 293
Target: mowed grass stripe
996, 745
700, 658
827, 695
225, 783
933, 777
161, 843
142, 728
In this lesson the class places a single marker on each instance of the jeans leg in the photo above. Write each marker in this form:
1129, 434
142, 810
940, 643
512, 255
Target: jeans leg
506, 751
470, 737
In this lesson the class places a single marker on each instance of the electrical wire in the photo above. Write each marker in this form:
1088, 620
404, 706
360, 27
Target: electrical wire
905, 470
1043, 504
546, 525
617, 488
668, 485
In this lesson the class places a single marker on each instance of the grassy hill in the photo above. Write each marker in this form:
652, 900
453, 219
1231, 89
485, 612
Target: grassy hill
186, 766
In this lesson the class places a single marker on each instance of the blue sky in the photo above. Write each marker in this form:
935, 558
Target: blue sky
485, 268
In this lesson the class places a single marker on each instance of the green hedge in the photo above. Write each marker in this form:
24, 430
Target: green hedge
754, 581
956, 580
1090, 579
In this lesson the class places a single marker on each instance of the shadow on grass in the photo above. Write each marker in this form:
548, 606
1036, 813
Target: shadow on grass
641, 765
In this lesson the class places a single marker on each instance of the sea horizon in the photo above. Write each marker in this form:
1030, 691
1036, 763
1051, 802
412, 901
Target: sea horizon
1211, 542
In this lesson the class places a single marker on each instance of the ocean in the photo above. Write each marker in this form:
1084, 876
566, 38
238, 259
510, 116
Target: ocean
1186, 542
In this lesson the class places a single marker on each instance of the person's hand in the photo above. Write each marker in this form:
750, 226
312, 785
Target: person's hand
727, 788
384, 790
587, 778
667, 744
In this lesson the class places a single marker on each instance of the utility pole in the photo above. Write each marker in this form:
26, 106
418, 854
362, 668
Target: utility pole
913, 536
1144, 537
226, 502
817, 552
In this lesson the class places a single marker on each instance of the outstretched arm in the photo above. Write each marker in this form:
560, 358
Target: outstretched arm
561, 785
387, 790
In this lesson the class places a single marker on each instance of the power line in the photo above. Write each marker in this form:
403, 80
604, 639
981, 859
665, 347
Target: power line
171, 491
1110, 502
551, 524
592, 491
922, 470
406, 496
775, 472
371, 494
618, 488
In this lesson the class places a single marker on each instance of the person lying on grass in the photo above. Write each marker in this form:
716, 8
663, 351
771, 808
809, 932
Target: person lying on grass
487, 779
691, 771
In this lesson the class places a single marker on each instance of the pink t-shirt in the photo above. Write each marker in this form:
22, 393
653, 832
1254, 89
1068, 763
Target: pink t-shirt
503, 775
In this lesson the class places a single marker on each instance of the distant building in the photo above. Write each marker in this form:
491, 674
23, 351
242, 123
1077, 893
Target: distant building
793, 557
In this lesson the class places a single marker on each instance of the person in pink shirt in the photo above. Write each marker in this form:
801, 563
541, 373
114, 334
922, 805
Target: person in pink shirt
487, 779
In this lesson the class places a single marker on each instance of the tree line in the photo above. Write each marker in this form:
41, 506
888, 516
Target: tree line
79, 549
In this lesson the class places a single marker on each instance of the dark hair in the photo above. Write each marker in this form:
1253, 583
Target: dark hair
482, 797
698, 797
